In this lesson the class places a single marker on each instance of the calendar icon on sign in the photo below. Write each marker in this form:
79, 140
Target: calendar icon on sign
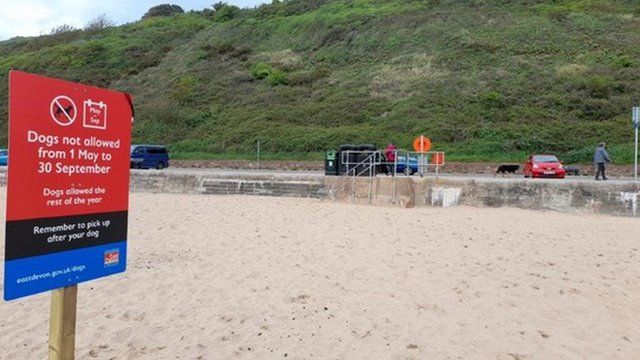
95, 114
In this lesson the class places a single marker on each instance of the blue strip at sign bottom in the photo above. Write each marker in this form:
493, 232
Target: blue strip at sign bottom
32, 275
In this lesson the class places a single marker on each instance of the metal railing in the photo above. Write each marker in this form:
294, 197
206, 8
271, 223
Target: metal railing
359, 168
423, 161
406, 160
358, 163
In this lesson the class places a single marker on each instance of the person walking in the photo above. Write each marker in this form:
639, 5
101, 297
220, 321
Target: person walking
600, 158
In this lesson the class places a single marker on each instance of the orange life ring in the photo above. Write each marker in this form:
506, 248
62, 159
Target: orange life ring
422, 144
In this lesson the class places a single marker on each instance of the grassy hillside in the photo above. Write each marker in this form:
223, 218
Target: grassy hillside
485, 79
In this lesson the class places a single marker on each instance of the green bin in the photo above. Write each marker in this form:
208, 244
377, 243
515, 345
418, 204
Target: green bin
330, 163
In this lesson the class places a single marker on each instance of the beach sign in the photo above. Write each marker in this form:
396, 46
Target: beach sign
68, 184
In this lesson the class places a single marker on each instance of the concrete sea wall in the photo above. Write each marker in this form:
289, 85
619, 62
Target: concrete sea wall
574, 196
228, 183
620, 198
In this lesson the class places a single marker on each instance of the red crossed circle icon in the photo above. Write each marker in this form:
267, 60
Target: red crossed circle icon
63, 110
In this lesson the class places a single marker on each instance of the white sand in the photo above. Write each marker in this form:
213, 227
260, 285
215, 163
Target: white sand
214, 277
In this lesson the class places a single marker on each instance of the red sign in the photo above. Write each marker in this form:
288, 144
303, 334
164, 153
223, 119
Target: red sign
69, 146
68, 184
438, 158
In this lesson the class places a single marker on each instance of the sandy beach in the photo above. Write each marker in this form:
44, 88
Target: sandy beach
213, 277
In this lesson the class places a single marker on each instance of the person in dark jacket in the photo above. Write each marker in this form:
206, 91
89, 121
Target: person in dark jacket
600, 158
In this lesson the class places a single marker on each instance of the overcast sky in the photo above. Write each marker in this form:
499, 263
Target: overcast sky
36, 17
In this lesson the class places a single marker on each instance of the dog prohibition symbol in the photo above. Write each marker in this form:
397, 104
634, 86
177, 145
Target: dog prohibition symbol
60, 112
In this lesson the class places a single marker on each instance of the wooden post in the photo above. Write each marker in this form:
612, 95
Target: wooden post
62, 326
258, 154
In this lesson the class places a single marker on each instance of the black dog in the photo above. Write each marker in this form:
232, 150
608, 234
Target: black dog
572, 170
60, 111
510, 169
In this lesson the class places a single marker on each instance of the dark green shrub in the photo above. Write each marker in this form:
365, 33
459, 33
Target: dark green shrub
225, 12
601, 86
163, 10
621, 61
277, 77
261, 70
493, 99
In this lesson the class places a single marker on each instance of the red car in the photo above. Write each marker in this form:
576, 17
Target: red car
544, 166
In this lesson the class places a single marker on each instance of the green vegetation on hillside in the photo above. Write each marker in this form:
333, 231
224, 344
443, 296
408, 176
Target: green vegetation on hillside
484, 79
